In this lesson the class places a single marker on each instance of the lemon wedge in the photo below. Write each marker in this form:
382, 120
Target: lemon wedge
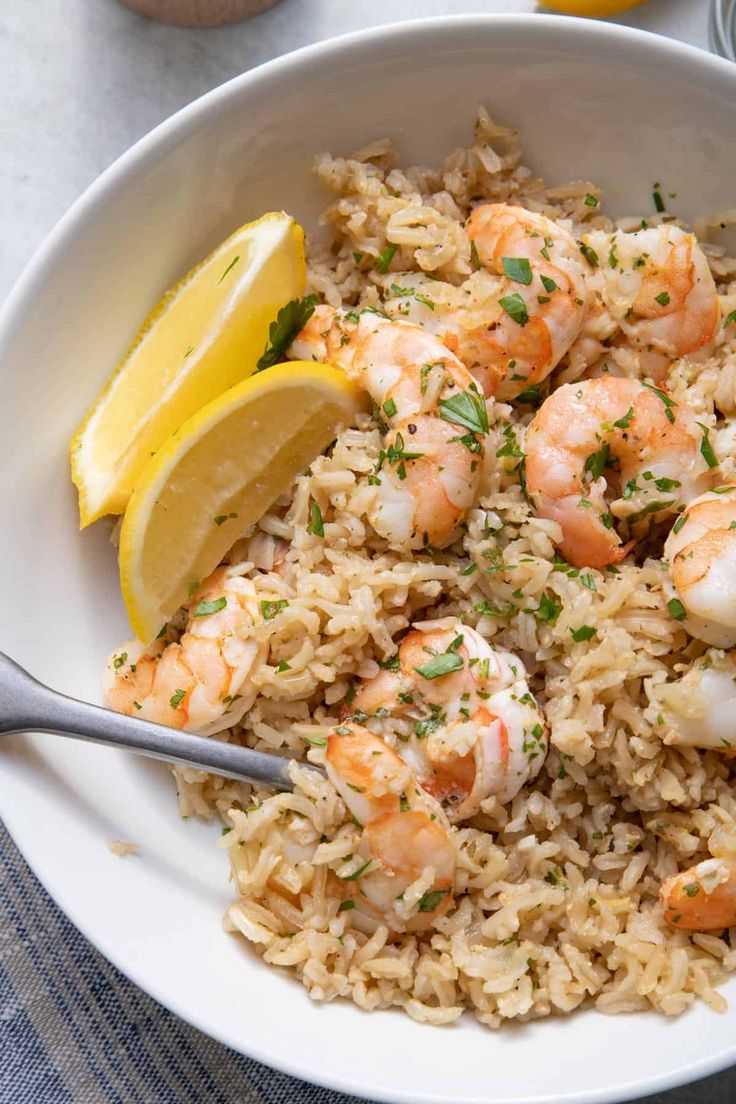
204, 336
218, 474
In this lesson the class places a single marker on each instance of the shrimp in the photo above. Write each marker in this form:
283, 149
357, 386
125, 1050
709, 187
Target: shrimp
543, 301
701, 552
657, 285
702, 898
580, 432
407, 880
200, 683
700, 706
476, 730
434, 416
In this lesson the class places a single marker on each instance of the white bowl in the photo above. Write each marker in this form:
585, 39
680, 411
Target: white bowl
592, 100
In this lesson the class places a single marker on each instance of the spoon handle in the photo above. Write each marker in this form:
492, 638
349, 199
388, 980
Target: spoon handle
26, 705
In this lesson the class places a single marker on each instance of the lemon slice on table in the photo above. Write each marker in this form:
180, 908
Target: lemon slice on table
218, 474
204, 336
594, 8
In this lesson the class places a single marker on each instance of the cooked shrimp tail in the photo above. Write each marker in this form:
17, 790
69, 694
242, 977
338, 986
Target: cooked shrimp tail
616, 432
543, 301
433, 416
201, 683
407, 877
702, 898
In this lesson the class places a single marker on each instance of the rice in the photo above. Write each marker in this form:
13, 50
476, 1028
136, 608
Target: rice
557, 892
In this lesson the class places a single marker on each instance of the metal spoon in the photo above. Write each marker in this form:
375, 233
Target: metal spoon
26, 705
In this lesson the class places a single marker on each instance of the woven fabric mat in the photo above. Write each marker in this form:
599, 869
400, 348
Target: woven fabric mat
74, 1030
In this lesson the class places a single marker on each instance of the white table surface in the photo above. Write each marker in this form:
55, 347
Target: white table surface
81, 80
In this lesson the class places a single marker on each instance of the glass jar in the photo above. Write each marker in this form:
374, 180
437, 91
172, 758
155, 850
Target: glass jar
723, 28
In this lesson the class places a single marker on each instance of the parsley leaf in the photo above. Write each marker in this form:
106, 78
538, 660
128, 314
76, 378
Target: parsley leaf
625, 422
706, 449
232, 264
428, 902
585, 632
289, 321
590, 254
466, 409
677, 610
596, 462
515, 307
384, 258
204, 609
316, 524
517, 269
548, 610
269, 609
441, 665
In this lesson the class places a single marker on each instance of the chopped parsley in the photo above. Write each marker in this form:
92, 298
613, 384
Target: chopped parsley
548, 609
467, 409
597, 462
411, 293
474, 258
283, 666
428, 902
176, 698
590, 200
269, 609
706, 449
585, 632
384, 258
232, 265
511, 445
315, 741
682, 519
663, 298
345, 906
730, 317
222, 518
652, 508
120, 660
517, 269
677, 610
668, 402
531, 395
625, 422
289, 321
590, 254
440, 665
316, 525
361, 869
549, 284
588, 582
658, 201
515, 307
204, 609
389, 408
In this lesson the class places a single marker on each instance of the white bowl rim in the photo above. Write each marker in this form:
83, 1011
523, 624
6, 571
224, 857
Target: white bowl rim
128, 164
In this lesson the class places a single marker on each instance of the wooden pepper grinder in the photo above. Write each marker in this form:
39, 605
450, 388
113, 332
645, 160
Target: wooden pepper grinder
199, 13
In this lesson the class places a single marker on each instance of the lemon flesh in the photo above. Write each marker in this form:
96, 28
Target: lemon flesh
593, 8
217, 475
202, 338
